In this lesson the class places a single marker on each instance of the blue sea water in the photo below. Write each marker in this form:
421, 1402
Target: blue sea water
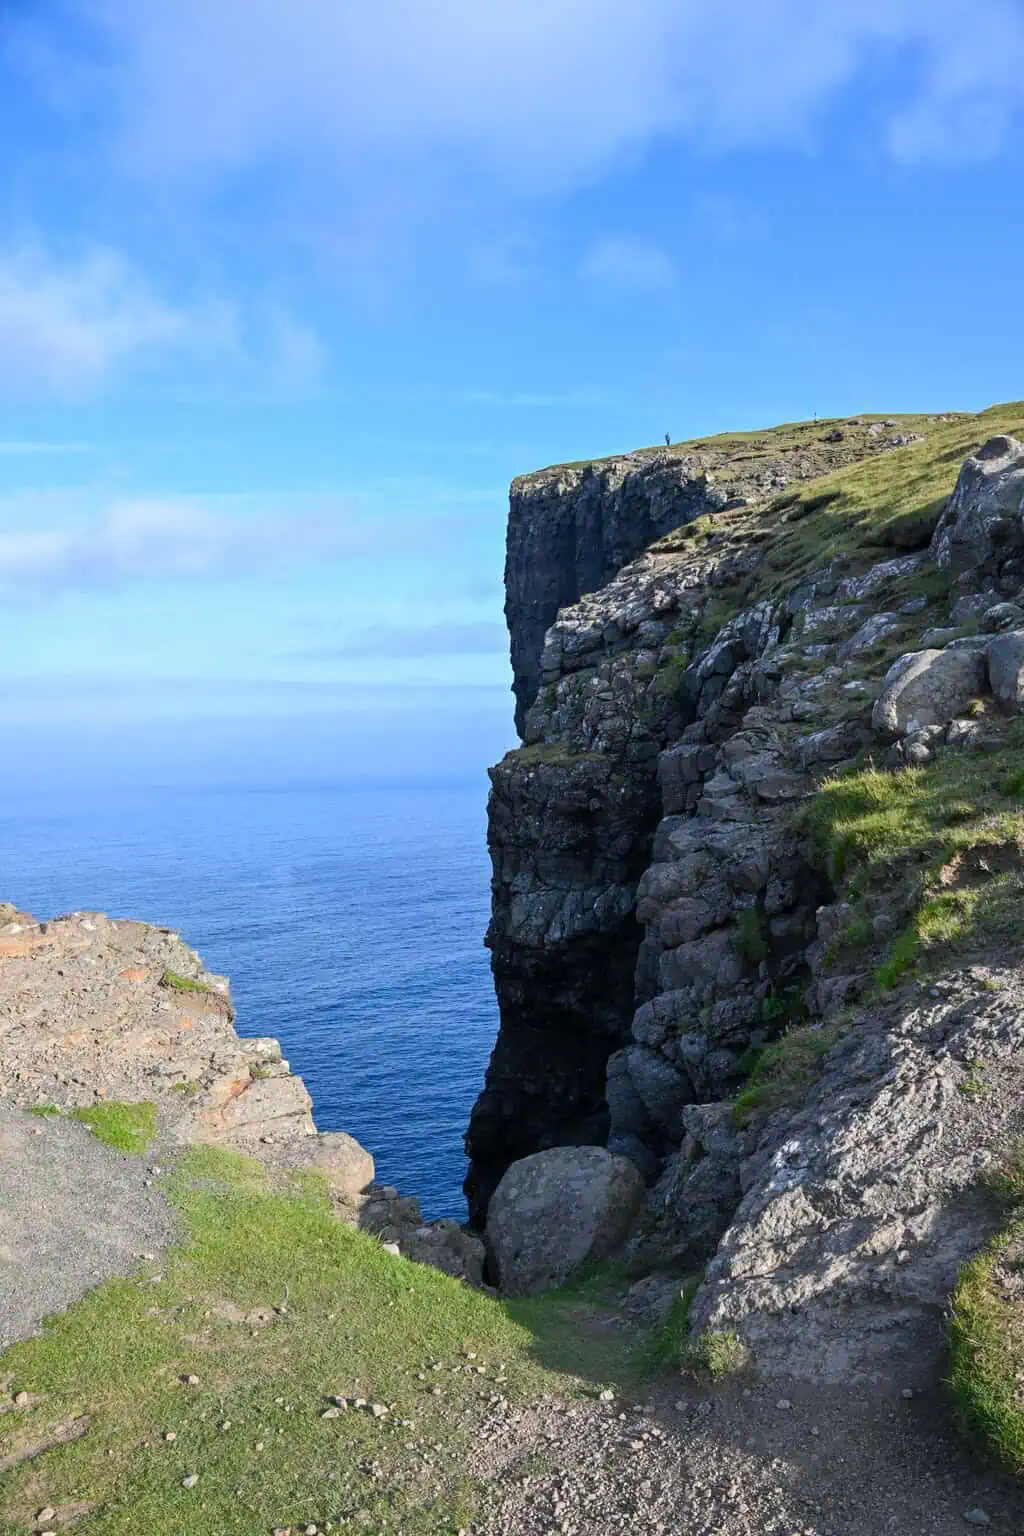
350, 922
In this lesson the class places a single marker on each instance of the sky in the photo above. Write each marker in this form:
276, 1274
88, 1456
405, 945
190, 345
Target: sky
288, 293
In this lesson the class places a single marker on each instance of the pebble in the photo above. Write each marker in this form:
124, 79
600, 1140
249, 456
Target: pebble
976, 1516
46, 1514
783, 1402
282, 1530
191, 1381
190, 1481
607, 1396
907, 1392
21, 1399
170, 1436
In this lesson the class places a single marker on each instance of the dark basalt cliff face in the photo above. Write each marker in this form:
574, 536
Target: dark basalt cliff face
660, 657
573, 527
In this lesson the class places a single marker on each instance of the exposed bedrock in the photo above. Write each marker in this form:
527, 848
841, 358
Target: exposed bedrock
573, 527
571, 827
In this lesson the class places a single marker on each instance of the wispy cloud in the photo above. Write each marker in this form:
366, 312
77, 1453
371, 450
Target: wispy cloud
482, 638
68, 324
627, 262
15, 449
594, 79
164, 538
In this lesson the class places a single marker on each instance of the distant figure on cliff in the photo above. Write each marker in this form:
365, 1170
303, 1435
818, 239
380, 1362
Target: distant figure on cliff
668, 440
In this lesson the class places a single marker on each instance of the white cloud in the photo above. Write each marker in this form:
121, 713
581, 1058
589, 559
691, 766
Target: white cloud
624, 262
544, 90
66, 326
160, 539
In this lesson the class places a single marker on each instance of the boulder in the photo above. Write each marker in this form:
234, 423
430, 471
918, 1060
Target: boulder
557, 1210
446, 1246
1006, 670
928, 688
984, 511
1002, 616
347, 1166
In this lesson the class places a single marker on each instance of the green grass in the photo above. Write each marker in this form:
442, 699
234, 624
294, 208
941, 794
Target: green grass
780, 1073
44, 1111
716, 1354
943, 843
337, 1315
986, 1335
127, 1127
178, 983
750, 939
890, 500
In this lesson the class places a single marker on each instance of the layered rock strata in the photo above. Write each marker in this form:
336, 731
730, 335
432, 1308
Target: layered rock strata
622, 675
723, 699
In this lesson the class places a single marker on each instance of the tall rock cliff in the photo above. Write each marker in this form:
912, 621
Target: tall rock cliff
655, 919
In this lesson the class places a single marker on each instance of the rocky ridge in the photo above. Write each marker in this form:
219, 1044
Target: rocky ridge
95, 1010
654, 823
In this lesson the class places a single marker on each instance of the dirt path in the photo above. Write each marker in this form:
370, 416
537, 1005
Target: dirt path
72, 1213
732, 1461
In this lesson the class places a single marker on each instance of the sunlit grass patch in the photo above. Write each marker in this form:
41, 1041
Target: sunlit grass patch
274, 1307
986, 1333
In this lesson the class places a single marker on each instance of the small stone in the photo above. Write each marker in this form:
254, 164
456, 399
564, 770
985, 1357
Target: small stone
170, 1436
190, 1481
784, 1403
21, 1399
679, 1407
393, 1249
259, 1446
46, 1514
607, 1396
311, 1530
226, 1424
191, 1381
378, 1410
908, 1393
435, 1391
331, 1413
976, 1516
282, 1530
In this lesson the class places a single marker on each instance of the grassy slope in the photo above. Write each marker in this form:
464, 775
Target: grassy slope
986, 1334
337, 1315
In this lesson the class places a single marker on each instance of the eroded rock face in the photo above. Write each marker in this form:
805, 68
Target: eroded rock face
556, 1211
573, 527
94, 1009
862, 1206
984, 511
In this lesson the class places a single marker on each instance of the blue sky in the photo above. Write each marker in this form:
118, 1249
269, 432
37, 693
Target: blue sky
289, 292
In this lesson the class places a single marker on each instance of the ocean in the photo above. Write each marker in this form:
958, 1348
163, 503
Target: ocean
350, 922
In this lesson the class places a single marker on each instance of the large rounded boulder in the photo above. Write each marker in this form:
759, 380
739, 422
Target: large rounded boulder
556, 1211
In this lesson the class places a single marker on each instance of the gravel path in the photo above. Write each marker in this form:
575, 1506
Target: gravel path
72, 1213
744, 1461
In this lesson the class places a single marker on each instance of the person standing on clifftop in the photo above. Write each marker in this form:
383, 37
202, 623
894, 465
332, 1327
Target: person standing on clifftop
668, 440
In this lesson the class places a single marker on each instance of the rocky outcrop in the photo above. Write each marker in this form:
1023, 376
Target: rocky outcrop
572, 528
626, 698
94, 1010
686, 716
556, 1211
862, 1206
